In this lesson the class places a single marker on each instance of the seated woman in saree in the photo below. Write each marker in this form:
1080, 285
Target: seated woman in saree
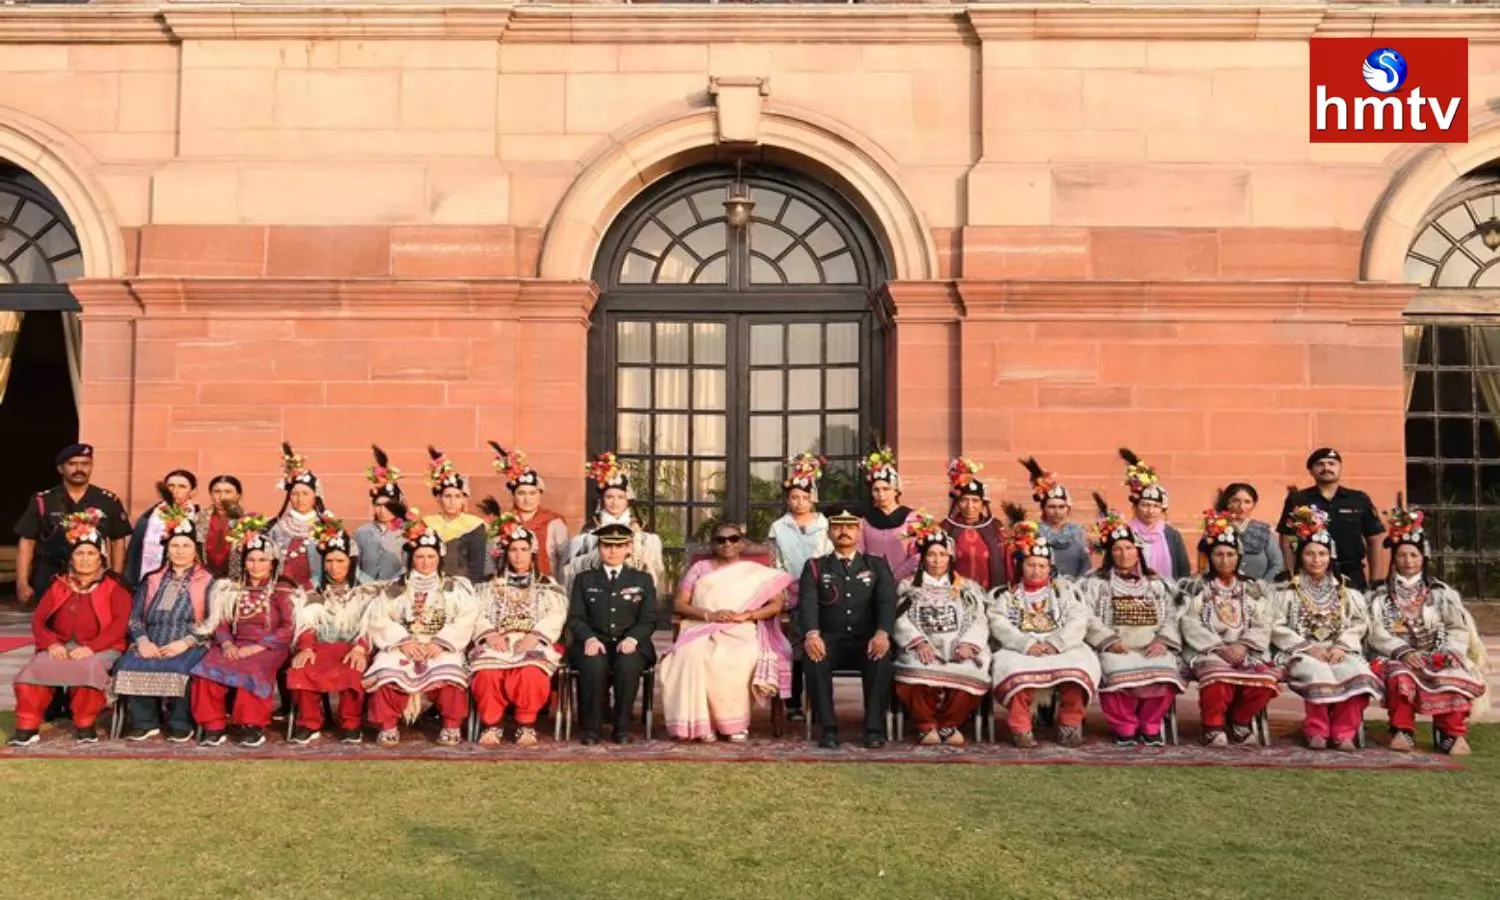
521, 617
1425, 645
942, 637
1040, 623
1226, 628
330, 658
730, 648
1135, 632
1318, 626
251, 641
79, 628
170, 626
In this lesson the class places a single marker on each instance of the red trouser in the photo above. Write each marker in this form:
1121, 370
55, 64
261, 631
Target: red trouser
527, 688
310, 709
389, 702
932, 708
32, 701
211, 699
1403, 714
1070, 708
1339, 721
1242, 703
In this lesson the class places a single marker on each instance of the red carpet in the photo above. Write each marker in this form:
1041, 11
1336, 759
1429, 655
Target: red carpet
8, 644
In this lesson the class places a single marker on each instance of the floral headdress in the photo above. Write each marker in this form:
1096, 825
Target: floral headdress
804, 471
1218, 530
607, 473
419, 534
1044, 485
175, 520
961, 480
880, 465
442, 474
252, 532
83, 528
329, 534
1110, 528
383, 477
512, 466
1025, 537
294, 470
1405, 527
504, 527
1141, 479
923, 531
1310, 525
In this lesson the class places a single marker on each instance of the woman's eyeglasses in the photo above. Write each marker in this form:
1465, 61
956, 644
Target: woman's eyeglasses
727, 539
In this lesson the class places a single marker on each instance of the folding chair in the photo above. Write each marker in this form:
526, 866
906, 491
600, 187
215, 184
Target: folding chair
648, 700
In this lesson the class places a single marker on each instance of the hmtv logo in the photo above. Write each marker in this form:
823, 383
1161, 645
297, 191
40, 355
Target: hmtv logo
1389, 90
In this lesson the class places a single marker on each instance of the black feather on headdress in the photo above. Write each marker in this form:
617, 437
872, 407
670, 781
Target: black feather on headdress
499, 450
1013, 512
286, 449
1033, 467
1129, 456
1221, 499
397, 508
1400, 498
434, 452
381, 459
165, 493
877, 438
490, 506
1100, 502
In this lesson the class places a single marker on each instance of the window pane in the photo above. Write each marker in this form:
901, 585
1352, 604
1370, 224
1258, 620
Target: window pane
1461, 530
707, 240
1424, 349
671, 479
805, 344
8, 204
671, 388
634, 435
1457, 486
677, 217
708, 435
671, 342
1462, 574
842, 438
765, 345
57, 241
1455, 391
31, 267
708, 481
31, 218
715, 271
761, 518
678, 267
1421, 484
1489, 439
651, 239
709, 203
633, 342
825, 240
1486, 345
765, 482
1421, 438
843, 342
637, 269
802, 434
708, 343
843, 389
633, 388
1489, 495
68, 269
804, 389
1452, 345
1422, 390
800, 268
671, 435
671, 525
708, 389
799, 217
765, 390
1458, 271
703, 519
765, 436
839, 481
1456, 438
769, 239
762, 272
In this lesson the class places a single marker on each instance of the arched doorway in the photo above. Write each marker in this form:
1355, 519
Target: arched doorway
717, 352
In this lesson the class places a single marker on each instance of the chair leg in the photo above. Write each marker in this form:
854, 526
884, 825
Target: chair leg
648, 698
572, 705
557, 705
291, 722
472, 725
117, 719
778, 715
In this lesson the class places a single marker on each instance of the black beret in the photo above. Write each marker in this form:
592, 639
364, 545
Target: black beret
72, 450
1321, 454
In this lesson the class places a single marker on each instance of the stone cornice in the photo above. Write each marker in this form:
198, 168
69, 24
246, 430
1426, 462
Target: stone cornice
880, 23
1477, 23
321, 21
335, 298
1079, 21
92, 24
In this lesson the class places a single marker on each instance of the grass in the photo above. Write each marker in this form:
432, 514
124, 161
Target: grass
541, 830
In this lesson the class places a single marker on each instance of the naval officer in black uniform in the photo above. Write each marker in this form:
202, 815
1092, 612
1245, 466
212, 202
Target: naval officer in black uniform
42, 551
611, 616
1358, 534
846, 614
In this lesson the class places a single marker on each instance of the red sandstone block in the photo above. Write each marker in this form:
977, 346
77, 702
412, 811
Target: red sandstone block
108, 360
1163, 432
258, 329
949, 245
528, 252
106, 393
1244, 339
1228, 465
1385, 399
925, 371
254, 416
218, 250
1282, 430
1115, 332
1049, 361
355, 327
155, 329
485, 394
169, 393
222, 361
226, 435
330, 360
419, 360
1337, 364
154, 361
453, 251
132, 240
255, 393
1254, 397
1025, 252
1153, 254
989, 433
1115, 397
396, 393
1359, 432
1203, 364
336, 251
1300, 253
450, 429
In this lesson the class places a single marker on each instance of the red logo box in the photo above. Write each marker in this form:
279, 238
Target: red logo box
1417, 94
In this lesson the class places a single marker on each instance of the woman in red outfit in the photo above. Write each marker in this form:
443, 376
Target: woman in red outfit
977, 538
80, 628
330, 656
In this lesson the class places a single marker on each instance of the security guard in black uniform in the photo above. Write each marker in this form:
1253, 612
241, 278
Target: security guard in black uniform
1353, 521
611, 616
43, 548
847, 611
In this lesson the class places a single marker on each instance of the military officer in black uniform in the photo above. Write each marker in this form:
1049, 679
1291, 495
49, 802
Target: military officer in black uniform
611, 616
43, 548
846, 614
1353, 520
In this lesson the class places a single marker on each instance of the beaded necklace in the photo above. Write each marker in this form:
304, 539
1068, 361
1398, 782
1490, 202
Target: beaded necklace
1226, 605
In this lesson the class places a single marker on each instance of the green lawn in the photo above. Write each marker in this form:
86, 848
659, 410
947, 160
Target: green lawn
537, 830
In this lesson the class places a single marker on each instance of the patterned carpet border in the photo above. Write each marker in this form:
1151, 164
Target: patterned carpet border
57, 743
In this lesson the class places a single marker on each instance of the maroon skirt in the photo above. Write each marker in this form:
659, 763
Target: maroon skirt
327, 673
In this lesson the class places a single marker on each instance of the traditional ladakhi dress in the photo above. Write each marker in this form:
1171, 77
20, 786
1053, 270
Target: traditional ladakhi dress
463, 545
512, 608
1426, 616
167, 608
1053, 614
431, 609
943, 613
95, 616
977, 553
1216, 615
714, 669
329, 622
645, 551
1070, 549
300, 562
792, 545
1136, 690
1260, 551
382, 553
1307, 614
880, 534
246, 615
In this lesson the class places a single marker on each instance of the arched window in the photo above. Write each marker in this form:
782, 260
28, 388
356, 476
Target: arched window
37, 243
1458, 244
718, 351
